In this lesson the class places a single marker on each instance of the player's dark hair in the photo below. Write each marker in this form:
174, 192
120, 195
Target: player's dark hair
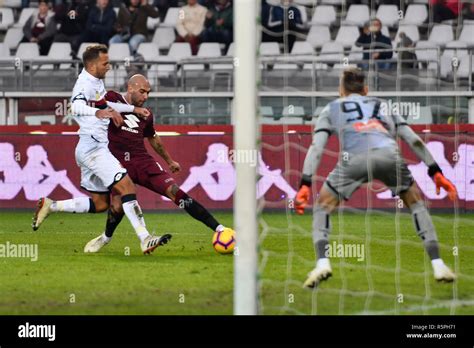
353, 80
92, 52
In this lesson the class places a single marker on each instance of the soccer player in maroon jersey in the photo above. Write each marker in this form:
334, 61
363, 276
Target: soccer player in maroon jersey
127, 145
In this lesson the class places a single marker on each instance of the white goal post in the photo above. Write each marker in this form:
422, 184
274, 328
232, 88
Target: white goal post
246, 134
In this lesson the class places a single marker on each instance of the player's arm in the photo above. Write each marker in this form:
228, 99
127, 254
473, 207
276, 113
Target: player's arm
79, 107
121, 108
312, 159
418, 146
159, 147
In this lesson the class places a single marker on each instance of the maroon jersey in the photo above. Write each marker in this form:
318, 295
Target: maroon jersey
126, 144
126, 141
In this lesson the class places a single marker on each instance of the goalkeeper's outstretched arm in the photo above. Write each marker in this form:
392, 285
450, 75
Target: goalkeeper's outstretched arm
421, 151
313, 158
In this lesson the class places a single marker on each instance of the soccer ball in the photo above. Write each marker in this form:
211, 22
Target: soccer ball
224, 242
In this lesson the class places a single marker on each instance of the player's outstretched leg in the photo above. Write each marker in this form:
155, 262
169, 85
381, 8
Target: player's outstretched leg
133, 211
46, 206
425, 229
326, 203
193, 208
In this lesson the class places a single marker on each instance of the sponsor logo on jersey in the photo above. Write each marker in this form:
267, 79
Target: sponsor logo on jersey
131, 121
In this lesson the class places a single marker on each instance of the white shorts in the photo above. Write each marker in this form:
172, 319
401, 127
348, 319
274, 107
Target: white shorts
100, 170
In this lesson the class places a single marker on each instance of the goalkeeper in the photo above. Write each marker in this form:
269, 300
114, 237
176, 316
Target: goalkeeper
368, 150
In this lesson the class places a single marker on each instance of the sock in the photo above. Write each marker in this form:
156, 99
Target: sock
75, 205
105, 238
323, 262
425, 229
134, 214
321, 230
113, 220
437, 262
195, 209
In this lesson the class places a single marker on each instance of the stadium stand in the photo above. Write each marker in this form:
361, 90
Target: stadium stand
322, 49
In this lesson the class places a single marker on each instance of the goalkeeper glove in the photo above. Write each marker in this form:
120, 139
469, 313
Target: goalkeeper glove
440, 181
302, 197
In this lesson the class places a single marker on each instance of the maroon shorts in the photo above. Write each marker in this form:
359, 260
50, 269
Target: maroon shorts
149, 174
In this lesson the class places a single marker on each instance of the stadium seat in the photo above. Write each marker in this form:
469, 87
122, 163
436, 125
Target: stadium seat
441, 34
4, 50
456, 48
318, 35
331, 52
410, 30
119, 51
230, 50
11, 3
164, 37
177, 51
180, 50
357, 15
206, 50
467, 35
303, 50
25, 14
13, 38
302, 47
225, 66
309, 3
6, 18
388, 15
171, 17
355, 54
28, 51
347, 35
465, 68
416, 14
269, 49
59, 51
152, 23
333, 2
149, 51
82, 48
323, 15
304, 15
427, 52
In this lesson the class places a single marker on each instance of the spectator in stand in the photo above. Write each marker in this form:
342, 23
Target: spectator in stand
191, 24
100, 23
273, 20
445, 9
219, 23
131, 23
73, 20
373, 39
40, 28
163, 6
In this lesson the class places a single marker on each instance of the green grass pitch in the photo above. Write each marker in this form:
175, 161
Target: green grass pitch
188, 277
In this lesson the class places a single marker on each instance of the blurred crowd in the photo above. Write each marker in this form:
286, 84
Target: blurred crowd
77, 21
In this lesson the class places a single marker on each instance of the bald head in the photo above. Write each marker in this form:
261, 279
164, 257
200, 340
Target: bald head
138, 89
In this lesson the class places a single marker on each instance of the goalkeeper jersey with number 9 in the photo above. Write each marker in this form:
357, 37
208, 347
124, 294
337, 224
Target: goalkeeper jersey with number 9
361, 123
